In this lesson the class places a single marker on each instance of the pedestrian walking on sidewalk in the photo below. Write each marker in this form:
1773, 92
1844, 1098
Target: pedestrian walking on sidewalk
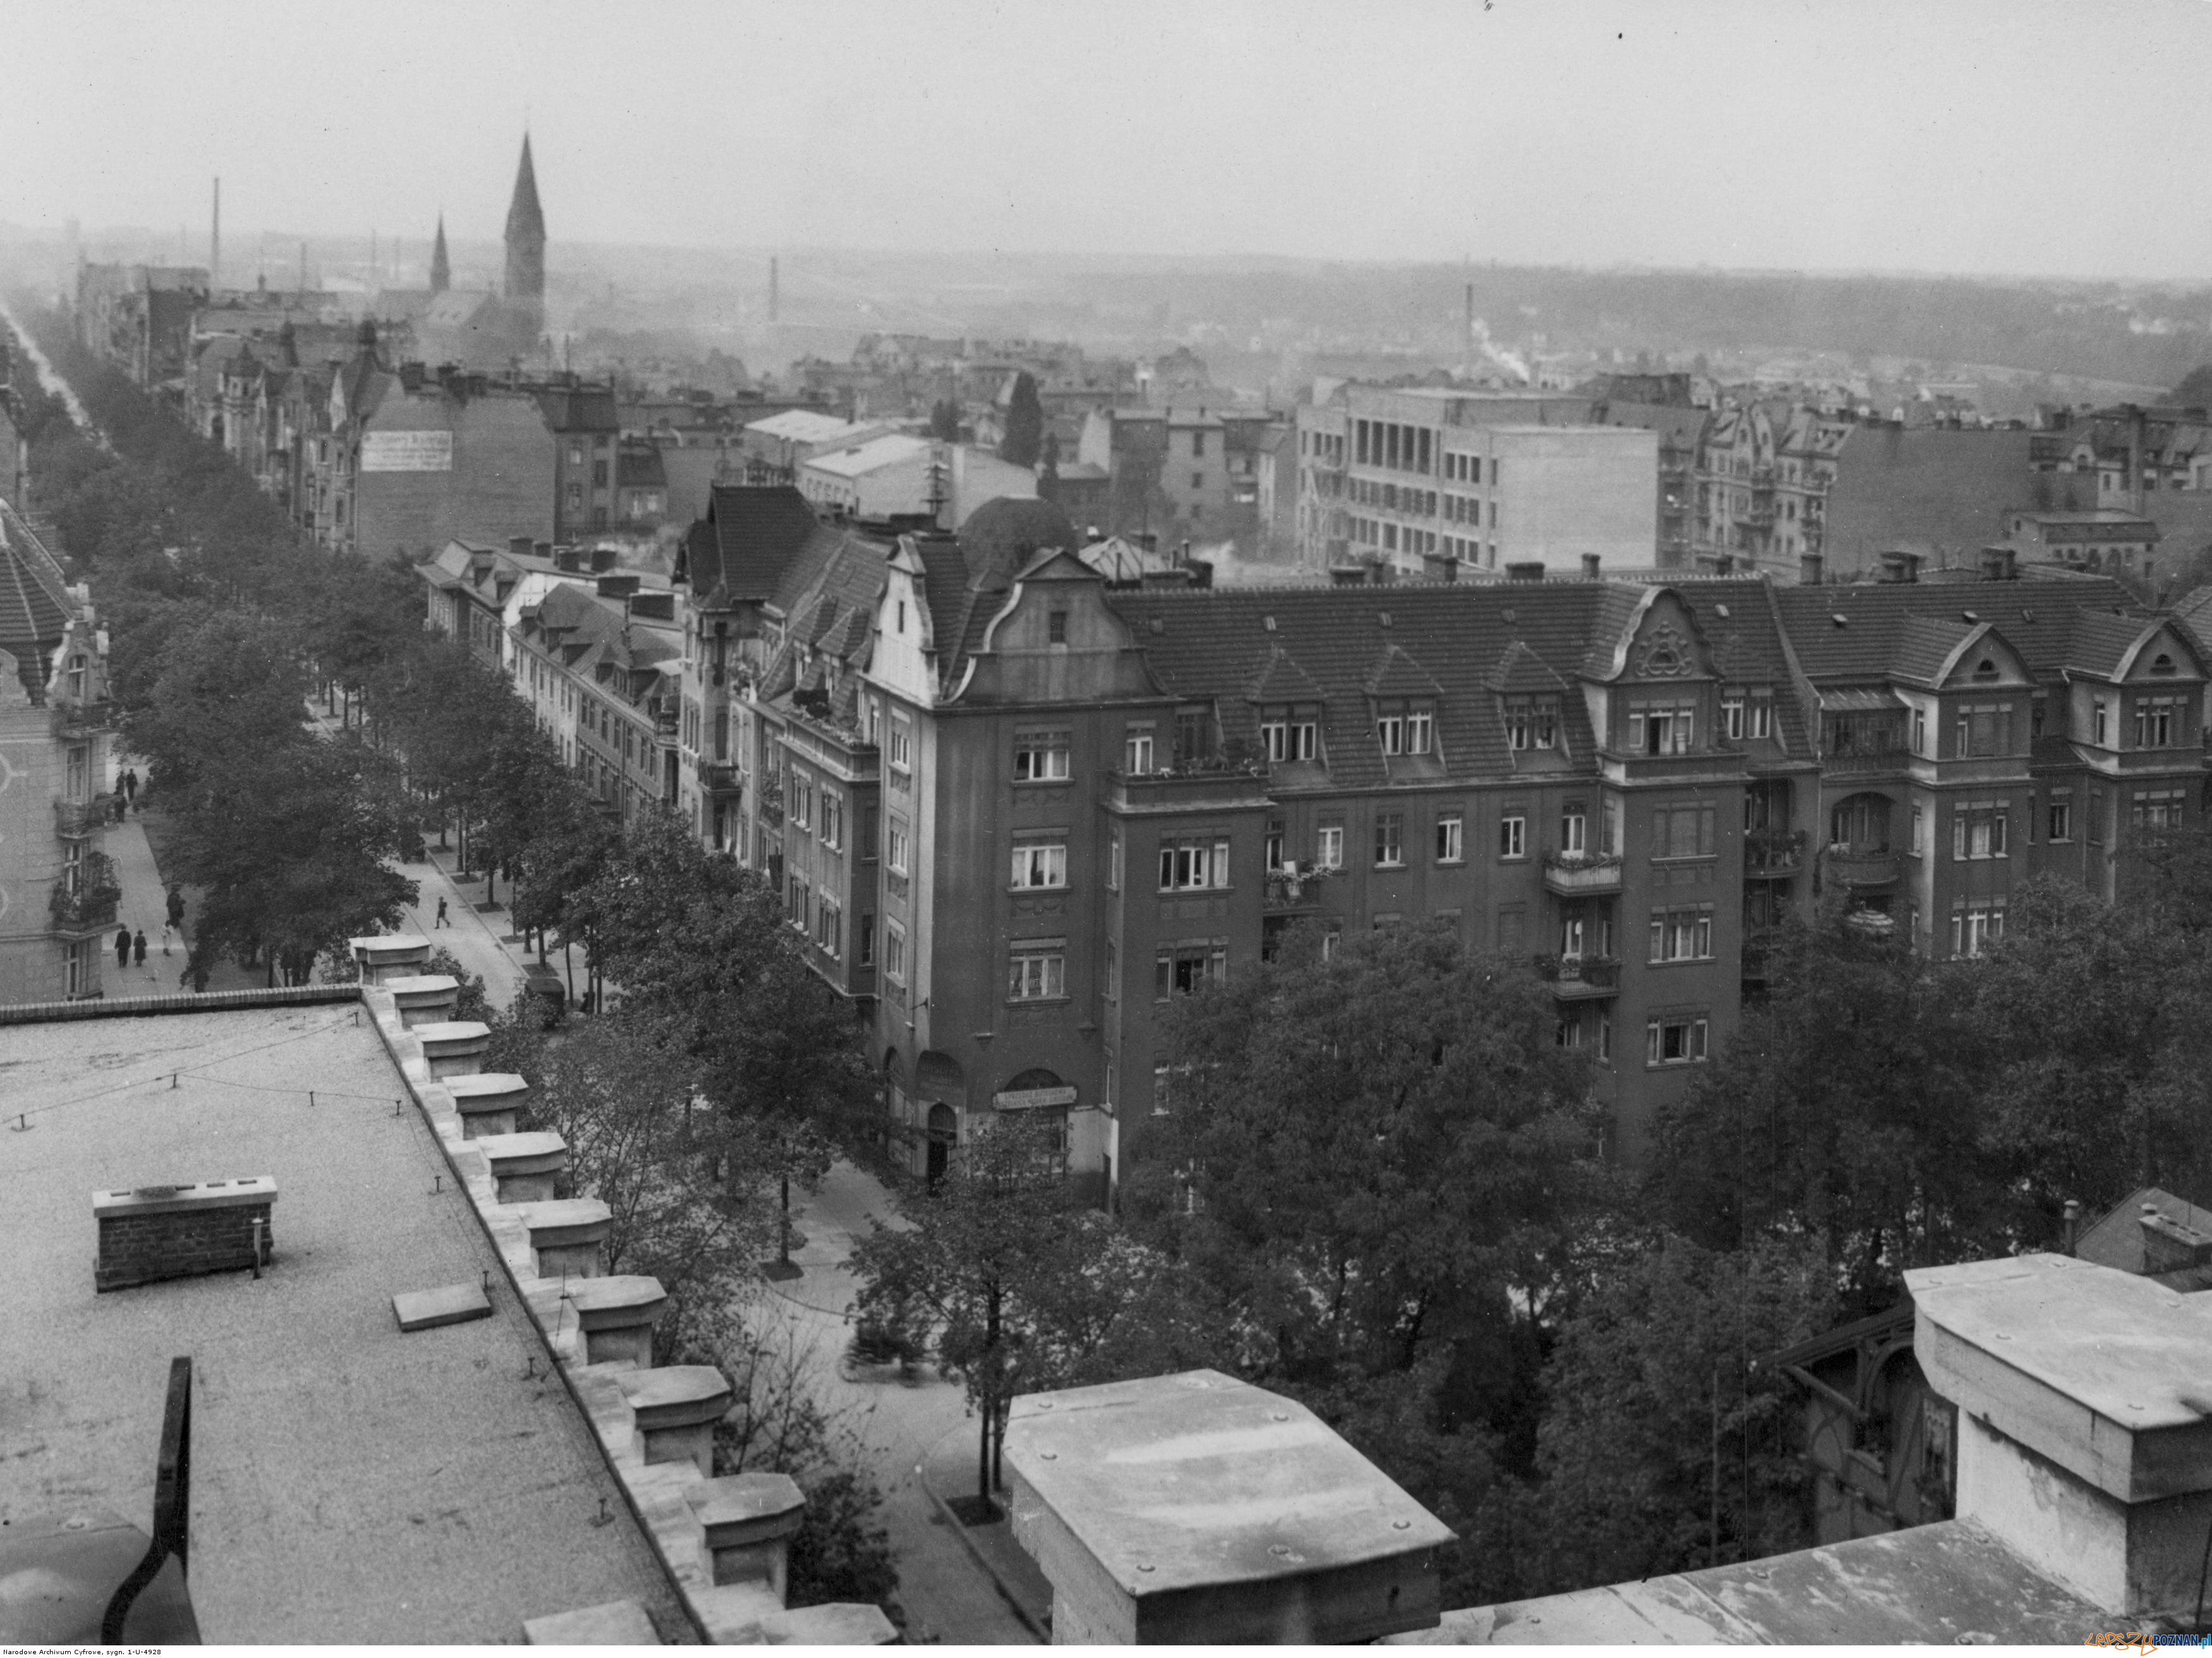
177, 908
138, 946
167, 933
130, 786
122, 947
441, 920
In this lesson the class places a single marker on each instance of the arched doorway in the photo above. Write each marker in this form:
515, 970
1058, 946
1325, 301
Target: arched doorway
943, 1135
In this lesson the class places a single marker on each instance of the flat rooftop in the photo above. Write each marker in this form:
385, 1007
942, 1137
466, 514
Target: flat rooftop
348, 1484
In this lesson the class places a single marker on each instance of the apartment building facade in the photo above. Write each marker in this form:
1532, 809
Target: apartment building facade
1428, 481
1093, 802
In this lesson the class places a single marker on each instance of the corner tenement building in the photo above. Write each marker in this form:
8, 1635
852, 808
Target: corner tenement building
1016, 809
1092, 801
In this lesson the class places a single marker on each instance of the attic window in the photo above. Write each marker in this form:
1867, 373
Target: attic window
1268, 623
1986, 669
1056, 627
1840, 619
1721, 610
1968, 616
1158, 624
2162, 666
1383, 616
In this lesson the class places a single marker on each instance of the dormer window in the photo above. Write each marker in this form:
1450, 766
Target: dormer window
1290, 734
2162, 666
1532, 722
1985, 670
1406, 727
1056, 627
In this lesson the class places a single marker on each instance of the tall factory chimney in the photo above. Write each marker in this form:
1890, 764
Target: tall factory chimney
1468, 331
215, 241
774, 293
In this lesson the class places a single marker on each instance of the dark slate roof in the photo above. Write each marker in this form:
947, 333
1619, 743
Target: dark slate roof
586, 409
1279, 679
1521, 672
2037, 620
755, 533
830, 598
1924, 644
1208, 644
2100, 639
34, 615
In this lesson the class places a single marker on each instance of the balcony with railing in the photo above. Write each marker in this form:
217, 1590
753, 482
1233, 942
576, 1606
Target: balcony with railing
1769, 853
718, 776
1580, 978
768, 804
1863, 866
83, 903
1190, 786
75, 819
1579, 875
73, 718
1296, 886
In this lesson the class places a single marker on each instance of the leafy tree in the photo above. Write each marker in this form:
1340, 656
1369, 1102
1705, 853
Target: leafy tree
1379, 1142
2102, 1078
1848, 1106
1021, 1286
290, 845
225, 689
692, 933
1025, 434
1664, 1447
623, 1094
944, 421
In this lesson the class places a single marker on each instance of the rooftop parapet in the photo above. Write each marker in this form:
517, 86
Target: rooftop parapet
1197, 1507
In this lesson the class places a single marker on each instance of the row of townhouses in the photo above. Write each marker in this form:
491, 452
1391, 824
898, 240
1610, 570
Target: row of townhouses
1017, 808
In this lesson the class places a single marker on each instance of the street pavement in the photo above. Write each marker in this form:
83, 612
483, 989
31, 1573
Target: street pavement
920, 1437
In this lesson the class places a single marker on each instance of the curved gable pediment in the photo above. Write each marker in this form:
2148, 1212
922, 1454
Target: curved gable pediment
1661, 642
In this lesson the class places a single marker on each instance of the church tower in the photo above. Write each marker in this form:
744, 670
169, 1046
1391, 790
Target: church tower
441, 268
526, 247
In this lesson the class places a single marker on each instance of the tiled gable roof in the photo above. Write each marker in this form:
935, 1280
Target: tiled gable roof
2100, 639
1204, 645
1521, 672
1396, 674
1924, 644
1279, 679
757, 531
2037, 619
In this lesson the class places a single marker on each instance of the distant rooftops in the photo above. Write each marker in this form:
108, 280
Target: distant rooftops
805, 426
893, 449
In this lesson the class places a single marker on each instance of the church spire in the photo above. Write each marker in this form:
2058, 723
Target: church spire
525, 233
441, 268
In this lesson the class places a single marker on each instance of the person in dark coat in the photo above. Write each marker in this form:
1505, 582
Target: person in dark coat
123, 946
130, 786
177, 907
138, 946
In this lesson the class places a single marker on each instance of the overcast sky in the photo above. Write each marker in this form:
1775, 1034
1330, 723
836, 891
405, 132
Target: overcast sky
2016, 135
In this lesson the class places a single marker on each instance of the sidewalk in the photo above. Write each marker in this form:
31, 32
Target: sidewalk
951, 1592
144, 907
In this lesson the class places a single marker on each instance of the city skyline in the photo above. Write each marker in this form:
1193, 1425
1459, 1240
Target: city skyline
1967, 139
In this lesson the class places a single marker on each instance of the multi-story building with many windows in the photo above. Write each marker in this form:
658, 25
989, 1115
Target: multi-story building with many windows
1443, 481
1093, 801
